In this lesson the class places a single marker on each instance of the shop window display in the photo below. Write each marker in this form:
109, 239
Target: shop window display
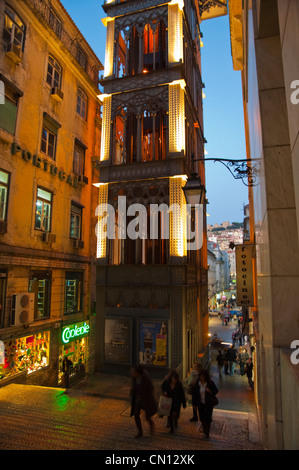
30, 354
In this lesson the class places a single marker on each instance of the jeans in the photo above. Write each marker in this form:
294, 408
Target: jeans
232, 366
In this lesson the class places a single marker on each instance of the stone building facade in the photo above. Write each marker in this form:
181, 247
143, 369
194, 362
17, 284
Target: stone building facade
49, 137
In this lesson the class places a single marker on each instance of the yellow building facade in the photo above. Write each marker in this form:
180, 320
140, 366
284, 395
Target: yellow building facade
50, 129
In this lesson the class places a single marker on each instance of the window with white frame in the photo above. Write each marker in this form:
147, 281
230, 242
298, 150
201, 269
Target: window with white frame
82, 103
4, 187
54, 73
76, 221
79, 159
14, 28
43, 210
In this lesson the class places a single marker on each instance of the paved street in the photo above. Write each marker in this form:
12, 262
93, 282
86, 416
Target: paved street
96, 416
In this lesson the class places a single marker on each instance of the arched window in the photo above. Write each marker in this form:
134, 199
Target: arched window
54, 73
14, 28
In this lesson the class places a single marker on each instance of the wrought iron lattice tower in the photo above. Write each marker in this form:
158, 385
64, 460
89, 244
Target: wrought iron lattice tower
150, 287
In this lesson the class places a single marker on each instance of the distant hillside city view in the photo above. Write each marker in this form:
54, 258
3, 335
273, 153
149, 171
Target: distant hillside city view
222, 239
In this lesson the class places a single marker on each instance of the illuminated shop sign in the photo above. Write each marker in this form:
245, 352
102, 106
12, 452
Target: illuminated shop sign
74, 332
45, 165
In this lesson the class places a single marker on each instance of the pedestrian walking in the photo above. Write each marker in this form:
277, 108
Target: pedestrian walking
243, 356
249, 372
142, 398
232, 358
205, 392
173, 388
220, 362
67, 367
225, 361
192, 379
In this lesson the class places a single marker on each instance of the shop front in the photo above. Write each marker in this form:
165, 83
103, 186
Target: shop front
73, 353
25, 354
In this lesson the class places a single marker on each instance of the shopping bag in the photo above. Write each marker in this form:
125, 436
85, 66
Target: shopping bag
164, 406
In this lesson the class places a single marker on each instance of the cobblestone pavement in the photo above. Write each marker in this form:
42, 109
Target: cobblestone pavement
38, 418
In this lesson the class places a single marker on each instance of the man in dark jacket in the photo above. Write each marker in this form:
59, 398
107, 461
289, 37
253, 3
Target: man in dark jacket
249, 370
142, 395
232, 359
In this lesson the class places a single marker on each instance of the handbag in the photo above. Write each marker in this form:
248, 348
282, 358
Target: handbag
213, 400
164, 406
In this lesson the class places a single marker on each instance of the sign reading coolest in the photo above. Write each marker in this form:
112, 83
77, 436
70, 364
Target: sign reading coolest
74, 332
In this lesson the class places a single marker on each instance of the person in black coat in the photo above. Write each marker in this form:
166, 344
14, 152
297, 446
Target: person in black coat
204, 395
173, 388
142, 398
249, 371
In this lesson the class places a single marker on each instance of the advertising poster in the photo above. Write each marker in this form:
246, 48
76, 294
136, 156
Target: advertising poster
153, 343
118, 340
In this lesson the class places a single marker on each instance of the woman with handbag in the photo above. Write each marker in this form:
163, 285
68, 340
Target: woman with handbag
204, 395
173, 388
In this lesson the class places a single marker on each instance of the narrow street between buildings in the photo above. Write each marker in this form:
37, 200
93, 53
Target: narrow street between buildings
95, 415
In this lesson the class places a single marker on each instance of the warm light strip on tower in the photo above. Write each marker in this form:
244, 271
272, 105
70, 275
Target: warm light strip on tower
102, 221
175, 31
106, 127
178, 217
108, 70
177, 116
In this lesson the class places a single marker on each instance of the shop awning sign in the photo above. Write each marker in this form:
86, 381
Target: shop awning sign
2, 353
71, 333
245, 293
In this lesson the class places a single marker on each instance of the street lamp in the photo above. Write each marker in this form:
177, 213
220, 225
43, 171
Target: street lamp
194, 190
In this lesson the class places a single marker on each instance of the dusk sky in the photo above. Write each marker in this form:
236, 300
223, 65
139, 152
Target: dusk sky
223, 109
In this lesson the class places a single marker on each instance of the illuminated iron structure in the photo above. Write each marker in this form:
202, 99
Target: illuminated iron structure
152, 123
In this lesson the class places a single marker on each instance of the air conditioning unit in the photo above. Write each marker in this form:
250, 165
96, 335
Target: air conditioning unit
48, 237
57, 94
14, 52
22, 310
3, 226
78, 244
82, 179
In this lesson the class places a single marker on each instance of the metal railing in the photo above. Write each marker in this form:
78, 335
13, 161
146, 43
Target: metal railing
73, 44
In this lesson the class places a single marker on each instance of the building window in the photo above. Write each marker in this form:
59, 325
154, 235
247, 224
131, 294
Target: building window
54, 73
4, 187
43, 210
76, 221
82, 59
14, 28
73, 292
3, 281
48, 144
49, 136
55, 23
82, 103
9, 109
79, 158
40, 285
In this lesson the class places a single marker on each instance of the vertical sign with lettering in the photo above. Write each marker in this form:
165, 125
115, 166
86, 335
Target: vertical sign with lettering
244, 255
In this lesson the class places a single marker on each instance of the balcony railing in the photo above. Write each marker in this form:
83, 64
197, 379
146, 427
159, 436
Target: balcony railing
45, 14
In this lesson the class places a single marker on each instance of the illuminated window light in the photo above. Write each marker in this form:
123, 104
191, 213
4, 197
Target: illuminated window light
101, 225
177, 116
175, 32
108, 69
